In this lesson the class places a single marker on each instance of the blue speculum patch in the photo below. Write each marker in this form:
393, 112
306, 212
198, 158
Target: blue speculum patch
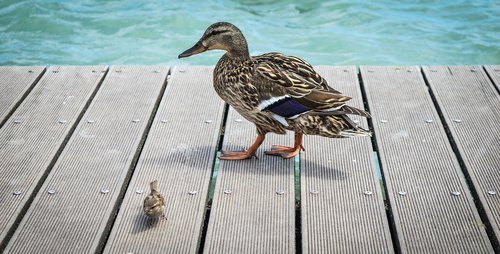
287, 107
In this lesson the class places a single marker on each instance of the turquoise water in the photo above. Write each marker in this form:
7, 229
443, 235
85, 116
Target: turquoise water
323, 32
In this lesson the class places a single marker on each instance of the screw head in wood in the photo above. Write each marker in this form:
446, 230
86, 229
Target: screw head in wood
51, 191
18, 121
17, 192
384, 121
139, 191
208, 121
156, 71
457, 120
492, 192
238, 120
30, 71
402, 193
163, 121
455, 193
367, 193
280, 192
314, 192
135, 120
90, 121
62, 121
429, 121
55, 71
193, 192
104, 190
227, 191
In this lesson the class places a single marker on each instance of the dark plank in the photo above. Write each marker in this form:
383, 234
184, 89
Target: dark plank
347, 214
471, 108
248, 215
15, 82
420, 168
89, 175
179, 152
494, 72
33, 136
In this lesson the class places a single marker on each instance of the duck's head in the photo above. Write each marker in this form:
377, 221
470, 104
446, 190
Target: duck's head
221, 35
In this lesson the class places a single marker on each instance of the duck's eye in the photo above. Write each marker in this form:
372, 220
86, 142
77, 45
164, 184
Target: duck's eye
215, 32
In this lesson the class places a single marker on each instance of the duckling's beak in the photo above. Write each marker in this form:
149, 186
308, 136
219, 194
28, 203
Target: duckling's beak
196, 49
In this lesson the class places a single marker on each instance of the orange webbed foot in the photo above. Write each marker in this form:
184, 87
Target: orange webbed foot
285, 152
228, 155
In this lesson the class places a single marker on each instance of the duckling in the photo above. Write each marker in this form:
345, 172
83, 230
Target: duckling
275, 92
154, 203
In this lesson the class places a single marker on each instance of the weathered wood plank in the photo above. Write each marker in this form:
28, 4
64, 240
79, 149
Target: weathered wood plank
341, 217
248, 216
38, 128
471, 108
179, 152
420, 168
15, 82
89, 175
494, 72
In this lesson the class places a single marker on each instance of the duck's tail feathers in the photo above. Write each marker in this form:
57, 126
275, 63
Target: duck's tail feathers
355, 111
358, 132
344, 110
355, 130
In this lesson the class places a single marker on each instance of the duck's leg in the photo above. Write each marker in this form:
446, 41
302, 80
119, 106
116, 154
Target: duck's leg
286, 151
246, 154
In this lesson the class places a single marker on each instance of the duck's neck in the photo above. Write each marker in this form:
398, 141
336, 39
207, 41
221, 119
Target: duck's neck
238, 55
238, 49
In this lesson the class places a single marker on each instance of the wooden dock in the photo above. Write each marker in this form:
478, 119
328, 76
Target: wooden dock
80, 144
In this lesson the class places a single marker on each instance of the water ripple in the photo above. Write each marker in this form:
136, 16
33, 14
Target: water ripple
343, 32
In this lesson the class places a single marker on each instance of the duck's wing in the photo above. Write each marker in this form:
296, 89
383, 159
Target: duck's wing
291, 87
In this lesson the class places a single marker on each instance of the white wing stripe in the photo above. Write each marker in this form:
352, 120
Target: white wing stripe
280, 119
264, 104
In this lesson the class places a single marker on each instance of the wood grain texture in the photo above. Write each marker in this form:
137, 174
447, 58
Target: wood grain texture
179, 152
90, 173
248, 216
68, 132
15, 83
471, 108
341, 217
37, 130
494, 72
420, 168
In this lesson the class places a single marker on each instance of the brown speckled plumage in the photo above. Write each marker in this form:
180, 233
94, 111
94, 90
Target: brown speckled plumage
154, 203
276, 92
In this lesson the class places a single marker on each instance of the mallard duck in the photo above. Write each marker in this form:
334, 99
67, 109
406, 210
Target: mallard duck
154, 203
275, 92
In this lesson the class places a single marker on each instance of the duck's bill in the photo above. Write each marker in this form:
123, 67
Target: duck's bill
196, 49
